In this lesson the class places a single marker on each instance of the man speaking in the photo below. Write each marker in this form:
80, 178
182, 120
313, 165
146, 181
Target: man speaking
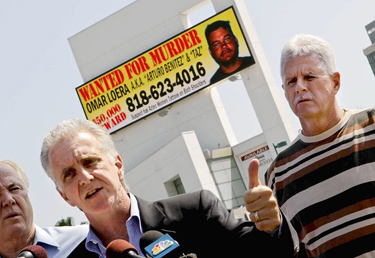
81, 159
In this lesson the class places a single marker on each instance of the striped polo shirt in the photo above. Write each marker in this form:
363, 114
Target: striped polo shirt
325, 185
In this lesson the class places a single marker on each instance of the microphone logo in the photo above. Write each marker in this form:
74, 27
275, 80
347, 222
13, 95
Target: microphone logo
161, 246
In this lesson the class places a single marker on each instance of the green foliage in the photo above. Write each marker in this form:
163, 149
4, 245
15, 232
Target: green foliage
69, 221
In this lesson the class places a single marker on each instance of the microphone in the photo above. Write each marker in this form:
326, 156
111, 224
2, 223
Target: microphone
155, 244
120, 248
33, 251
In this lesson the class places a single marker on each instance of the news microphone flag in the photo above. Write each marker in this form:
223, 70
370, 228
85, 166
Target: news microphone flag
120, 248
161, 247
33, 251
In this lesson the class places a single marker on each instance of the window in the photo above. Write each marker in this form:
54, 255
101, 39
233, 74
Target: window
179, 186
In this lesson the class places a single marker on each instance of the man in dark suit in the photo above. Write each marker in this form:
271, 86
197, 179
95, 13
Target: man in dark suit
80, 157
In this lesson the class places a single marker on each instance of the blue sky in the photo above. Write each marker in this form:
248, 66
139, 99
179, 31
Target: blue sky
39, 73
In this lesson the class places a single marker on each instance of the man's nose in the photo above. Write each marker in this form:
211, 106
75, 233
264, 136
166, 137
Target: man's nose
85, 177
7, 199
300, 85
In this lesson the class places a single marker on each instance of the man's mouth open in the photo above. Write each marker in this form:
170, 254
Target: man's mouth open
13, 215
92, 192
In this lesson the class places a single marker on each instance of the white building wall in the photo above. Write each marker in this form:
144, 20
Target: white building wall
181, 158
227, 176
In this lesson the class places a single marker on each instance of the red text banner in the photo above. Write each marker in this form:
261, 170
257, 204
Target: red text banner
156, 78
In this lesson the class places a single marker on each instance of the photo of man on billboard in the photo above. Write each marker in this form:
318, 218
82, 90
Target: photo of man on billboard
223, 47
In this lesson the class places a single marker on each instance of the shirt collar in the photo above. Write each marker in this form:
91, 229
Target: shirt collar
43, 237
134, 213
133, 224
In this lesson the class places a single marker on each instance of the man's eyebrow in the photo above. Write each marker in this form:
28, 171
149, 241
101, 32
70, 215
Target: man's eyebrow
83, 158
303, 73
13, 184
90, 156
317, 74
287, 78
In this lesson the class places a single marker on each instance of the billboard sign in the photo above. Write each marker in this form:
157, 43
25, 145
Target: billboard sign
169, 72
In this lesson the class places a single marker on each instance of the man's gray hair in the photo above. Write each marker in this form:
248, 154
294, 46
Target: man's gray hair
304, 45
18, 170
69, 129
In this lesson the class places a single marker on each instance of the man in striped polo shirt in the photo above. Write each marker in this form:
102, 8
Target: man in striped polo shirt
325, 180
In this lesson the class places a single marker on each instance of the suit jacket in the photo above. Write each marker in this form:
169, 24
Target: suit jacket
201, 224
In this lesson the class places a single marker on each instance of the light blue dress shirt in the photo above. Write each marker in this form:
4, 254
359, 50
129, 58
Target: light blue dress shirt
133, 225
59, 242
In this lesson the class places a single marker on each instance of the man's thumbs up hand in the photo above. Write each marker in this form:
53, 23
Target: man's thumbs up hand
254, 174
260, 201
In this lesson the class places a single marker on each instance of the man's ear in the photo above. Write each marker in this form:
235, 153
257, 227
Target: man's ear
336, 81
63, 195
120, 165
